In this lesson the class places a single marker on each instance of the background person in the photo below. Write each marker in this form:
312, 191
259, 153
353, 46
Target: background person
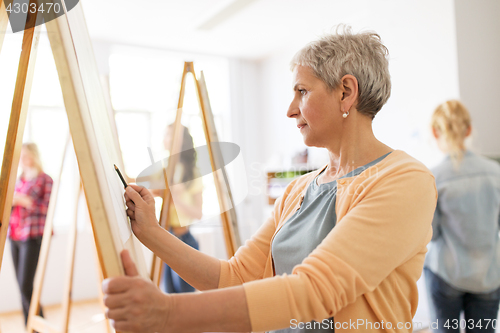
187, 205
27, 220
462, 268
347, 241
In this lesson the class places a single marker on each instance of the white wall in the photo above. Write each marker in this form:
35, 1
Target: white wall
247, 132
478, 44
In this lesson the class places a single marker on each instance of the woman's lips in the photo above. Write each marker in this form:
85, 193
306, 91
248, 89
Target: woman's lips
301, 126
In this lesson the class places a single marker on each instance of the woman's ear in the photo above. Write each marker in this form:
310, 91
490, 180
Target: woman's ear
469, 131
435, 133
349, 87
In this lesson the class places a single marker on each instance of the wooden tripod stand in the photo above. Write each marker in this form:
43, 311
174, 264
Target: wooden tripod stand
89, 128
226, 204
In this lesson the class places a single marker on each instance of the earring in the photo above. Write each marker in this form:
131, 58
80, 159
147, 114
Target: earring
345, 114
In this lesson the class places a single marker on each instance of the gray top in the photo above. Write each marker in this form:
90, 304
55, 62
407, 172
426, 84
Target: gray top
465, 246
305, 230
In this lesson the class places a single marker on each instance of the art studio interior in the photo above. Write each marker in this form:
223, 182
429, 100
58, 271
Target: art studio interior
241, 51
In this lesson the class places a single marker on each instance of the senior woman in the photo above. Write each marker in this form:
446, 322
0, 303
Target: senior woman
344, 246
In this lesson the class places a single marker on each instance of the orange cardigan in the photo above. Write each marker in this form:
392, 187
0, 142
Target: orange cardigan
365, 271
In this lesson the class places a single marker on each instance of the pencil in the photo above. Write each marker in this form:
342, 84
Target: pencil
121, 177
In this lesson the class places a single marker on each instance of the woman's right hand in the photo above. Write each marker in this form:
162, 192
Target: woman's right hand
22, 200
141, 210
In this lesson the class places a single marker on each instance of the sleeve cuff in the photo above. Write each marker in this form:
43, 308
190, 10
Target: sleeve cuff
224, 276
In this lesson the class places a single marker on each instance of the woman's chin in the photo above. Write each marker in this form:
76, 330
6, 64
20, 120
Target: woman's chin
309, 141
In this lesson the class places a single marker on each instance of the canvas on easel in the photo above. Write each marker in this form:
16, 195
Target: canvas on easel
93, 140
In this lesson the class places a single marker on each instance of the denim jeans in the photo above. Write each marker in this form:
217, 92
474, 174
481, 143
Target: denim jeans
173, 282
25, 257
446, 303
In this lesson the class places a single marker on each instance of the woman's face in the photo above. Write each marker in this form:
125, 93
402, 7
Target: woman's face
315, 108
26, 159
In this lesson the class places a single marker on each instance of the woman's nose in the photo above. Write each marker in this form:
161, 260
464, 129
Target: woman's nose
293, 109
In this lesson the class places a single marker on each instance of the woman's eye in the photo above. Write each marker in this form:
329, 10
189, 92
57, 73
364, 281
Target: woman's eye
302, 91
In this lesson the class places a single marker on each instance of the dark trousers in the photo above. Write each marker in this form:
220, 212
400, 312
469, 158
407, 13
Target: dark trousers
173, 282
25, 258
447, 303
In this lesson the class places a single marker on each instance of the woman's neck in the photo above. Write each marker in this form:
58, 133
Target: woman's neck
30, 173
358, 146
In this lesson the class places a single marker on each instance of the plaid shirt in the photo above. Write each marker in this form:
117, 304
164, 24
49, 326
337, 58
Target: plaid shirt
28, 223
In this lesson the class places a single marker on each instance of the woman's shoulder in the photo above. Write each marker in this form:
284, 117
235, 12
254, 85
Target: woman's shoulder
472, 164
399, 161
397, 173
487, 164
45, 177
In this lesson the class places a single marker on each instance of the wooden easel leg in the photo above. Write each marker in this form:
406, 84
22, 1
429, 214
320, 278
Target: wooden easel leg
35, 322
228, 221
16, 126
46, 240
70, 264
157, 265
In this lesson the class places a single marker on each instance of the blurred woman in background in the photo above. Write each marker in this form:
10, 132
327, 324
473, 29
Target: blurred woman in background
27, 220
462, 267
187, 204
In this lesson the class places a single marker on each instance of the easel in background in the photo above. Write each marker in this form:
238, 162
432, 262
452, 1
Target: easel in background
35, 321
226, 204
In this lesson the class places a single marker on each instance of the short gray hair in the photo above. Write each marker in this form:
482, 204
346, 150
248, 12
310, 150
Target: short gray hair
362, 55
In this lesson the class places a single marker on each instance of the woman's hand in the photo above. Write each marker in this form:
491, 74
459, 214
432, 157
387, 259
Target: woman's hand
22, 200
135, 304
141, 209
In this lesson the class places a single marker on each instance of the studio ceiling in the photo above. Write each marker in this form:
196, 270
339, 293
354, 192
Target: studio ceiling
249, 29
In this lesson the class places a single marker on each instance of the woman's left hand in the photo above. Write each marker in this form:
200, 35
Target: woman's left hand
135, 304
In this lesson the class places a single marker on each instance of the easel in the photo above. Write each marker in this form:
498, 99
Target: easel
226, 204
79, 99
77, 72
35, 321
